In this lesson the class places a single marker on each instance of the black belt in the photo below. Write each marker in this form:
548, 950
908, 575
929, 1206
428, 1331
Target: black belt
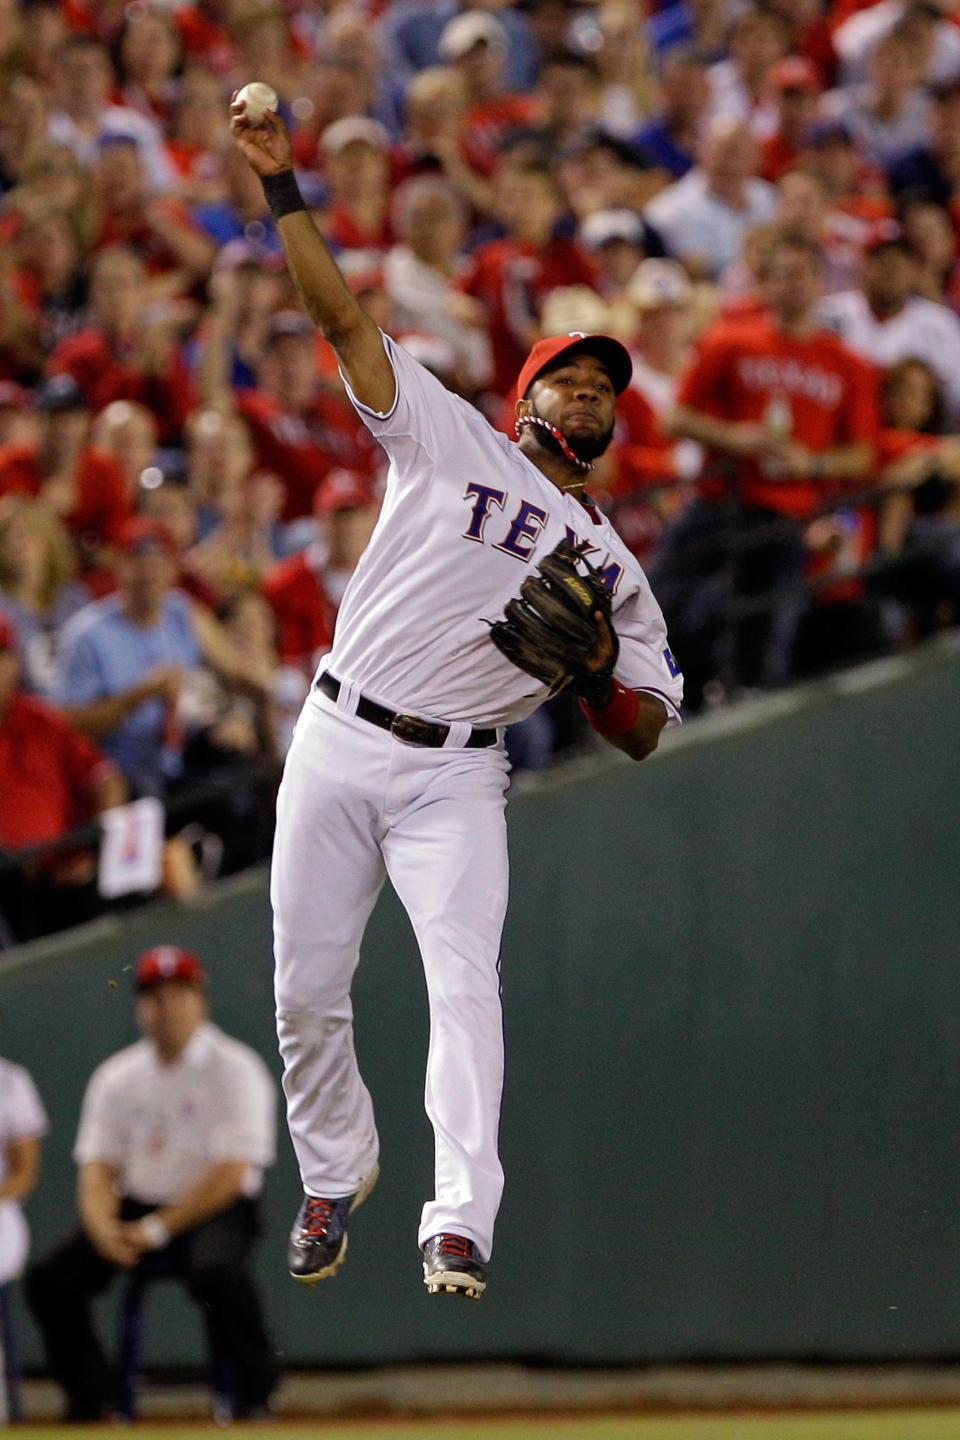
405, 727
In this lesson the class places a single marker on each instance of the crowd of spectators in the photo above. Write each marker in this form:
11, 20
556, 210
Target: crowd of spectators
184, 488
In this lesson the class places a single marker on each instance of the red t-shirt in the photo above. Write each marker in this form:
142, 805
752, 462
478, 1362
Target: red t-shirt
102, 503
47, 770
777, 156
831, 394
302, 448
815, 41
203, 36
642, 453
490, 120
512, 280
408, 159
104, 375
302, 608
138, 234
892, 445
643, 461
342, 230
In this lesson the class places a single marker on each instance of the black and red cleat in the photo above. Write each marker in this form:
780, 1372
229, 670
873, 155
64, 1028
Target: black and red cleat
451, 1266
318, 1240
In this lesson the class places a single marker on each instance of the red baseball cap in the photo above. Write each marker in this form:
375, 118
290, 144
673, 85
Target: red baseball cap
885, 232
14, 396
342, 490
608, 351
795, 72
168, 962
368, 277
139, 535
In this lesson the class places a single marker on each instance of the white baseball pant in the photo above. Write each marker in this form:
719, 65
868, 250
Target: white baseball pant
356, 804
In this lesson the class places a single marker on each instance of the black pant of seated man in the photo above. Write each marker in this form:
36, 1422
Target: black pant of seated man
211, 1260
715, 558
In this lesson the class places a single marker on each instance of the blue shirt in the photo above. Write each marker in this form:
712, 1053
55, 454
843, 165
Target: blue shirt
102, 653
673, 25
655, 139
410, 37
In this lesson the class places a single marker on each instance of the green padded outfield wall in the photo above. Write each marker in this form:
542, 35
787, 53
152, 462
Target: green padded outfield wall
732, 1113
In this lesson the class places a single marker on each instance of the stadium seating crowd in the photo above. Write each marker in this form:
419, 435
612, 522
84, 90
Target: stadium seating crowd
184, 488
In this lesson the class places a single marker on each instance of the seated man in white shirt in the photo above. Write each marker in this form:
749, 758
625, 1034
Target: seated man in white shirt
175, 1132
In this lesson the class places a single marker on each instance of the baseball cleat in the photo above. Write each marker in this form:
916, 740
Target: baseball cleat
318, 1240
451, 1266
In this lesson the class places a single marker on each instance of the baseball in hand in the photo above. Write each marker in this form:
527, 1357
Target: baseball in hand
256, 98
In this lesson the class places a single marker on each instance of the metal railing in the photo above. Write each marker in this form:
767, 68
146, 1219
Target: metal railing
263, 777
259, 777
733, 543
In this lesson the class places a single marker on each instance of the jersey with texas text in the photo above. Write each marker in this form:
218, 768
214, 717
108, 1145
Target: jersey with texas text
465, 518
829, 395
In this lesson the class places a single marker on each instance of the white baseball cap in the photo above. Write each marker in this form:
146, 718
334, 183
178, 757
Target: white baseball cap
472, 27
658, 282
354, 127
432, 351
605, 225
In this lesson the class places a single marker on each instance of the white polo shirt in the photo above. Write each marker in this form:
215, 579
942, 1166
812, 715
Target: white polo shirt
164, 1126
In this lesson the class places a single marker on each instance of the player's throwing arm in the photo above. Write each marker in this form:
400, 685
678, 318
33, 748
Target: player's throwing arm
326, 295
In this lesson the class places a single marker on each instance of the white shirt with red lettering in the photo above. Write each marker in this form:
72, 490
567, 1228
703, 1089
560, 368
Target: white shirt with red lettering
163, 1126
465, 518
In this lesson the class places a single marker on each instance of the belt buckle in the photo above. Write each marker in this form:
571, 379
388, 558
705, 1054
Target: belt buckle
414, 731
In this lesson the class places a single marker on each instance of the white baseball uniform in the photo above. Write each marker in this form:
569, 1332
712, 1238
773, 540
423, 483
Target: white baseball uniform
22, 1117
465, 517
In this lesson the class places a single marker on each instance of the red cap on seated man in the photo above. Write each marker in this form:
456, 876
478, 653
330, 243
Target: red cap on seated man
169, 962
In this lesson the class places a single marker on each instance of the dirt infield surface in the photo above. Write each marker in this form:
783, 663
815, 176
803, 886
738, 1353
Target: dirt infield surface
906, 1424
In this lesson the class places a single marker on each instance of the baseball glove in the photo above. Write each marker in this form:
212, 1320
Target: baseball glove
551, 629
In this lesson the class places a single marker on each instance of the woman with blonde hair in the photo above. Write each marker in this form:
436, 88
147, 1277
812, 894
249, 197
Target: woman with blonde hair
54, 179
39, 588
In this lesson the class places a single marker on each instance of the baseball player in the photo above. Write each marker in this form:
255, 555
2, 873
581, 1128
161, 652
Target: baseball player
398, 766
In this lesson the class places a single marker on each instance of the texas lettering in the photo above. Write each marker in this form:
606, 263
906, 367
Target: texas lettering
518, 536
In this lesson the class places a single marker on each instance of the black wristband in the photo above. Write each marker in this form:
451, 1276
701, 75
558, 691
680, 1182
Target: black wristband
282, 194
